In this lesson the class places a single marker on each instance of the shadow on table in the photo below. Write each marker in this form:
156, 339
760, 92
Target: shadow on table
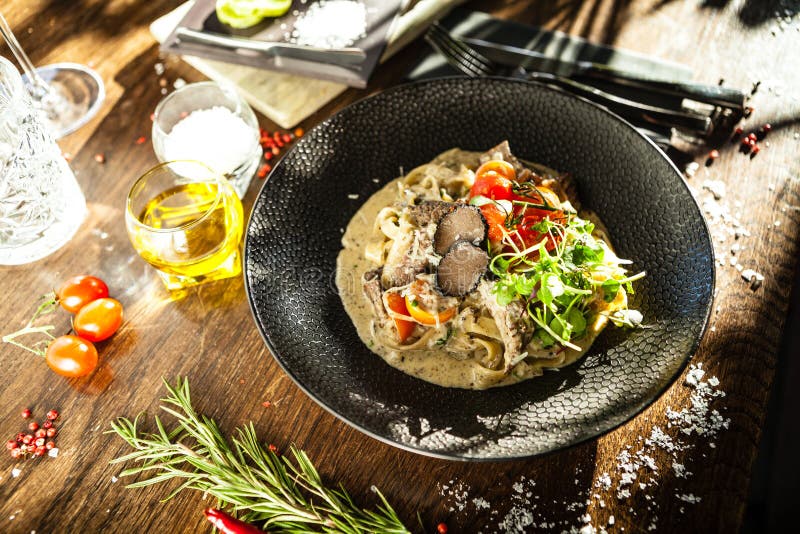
776, 474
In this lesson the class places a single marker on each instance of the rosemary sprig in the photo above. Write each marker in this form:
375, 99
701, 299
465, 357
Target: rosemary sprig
278, 493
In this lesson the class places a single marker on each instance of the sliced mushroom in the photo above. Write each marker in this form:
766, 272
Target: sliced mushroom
430, 211
461, 269
464, 223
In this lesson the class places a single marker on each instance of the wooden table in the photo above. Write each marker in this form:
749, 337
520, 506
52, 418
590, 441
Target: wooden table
209, 335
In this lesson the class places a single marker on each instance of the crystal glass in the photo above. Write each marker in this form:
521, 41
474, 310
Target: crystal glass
185, 219
41, 204
226, 142
67, 94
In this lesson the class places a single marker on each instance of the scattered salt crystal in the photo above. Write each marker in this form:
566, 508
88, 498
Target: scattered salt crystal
680, 470
604, 481
179, 83
53, 453
480, 503
159, 68
114, 479
353, 196
691, 168
776, 223
331, 24
610, 520
688, 497
15, 472
376, 180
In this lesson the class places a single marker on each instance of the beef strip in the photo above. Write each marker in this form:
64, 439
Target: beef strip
402, 267
371, 285
502, 152
510, 322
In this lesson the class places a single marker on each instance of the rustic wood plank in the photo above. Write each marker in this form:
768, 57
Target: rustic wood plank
209, 336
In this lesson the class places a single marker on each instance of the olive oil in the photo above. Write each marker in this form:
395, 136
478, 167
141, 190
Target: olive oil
191, 231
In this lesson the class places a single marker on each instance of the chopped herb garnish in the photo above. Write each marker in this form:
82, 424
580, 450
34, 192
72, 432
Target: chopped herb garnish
559, 285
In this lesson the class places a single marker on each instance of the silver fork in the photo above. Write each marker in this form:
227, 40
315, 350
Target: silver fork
474, 64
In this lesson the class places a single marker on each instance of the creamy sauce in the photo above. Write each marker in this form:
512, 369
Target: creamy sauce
433, 365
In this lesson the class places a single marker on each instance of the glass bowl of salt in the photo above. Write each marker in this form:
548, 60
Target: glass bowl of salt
209, 122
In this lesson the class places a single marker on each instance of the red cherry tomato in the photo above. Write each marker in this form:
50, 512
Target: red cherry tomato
496, 218
493, 180
98, 320
529, 236
78, 291
491, 186
71, 356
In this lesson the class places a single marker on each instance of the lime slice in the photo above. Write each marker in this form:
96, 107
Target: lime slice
246, 13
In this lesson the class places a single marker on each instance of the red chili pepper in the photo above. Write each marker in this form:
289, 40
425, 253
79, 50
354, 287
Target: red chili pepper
228, 524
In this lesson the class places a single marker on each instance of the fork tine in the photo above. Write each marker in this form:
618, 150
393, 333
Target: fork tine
462, 56
454, 57
474, 56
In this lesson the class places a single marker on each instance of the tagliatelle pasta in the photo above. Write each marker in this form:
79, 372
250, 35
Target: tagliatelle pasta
479, 280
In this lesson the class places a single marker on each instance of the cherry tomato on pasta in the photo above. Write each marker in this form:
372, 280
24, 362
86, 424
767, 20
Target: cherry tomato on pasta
496, 219
497, 167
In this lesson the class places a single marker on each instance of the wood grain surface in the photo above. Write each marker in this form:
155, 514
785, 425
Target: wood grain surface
209, 336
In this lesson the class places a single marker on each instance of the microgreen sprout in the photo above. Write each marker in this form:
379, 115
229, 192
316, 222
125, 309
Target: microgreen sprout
560, 277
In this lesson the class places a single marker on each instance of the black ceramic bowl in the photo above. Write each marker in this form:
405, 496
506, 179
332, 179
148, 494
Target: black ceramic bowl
294, 236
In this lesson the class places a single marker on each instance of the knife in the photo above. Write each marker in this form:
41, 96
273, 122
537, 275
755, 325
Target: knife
345, 57
514, 57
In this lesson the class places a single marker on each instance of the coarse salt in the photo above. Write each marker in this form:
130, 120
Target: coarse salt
331, 24
15, 472
214, 136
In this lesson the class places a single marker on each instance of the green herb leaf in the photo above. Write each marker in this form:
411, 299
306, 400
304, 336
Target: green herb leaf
610, 289
546, 339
